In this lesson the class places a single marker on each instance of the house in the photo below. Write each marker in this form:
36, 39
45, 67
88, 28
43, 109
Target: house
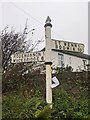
63, 53
68, 53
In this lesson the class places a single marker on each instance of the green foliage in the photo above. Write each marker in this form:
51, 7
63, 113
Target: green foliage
45, 114
19, 107
70, 99
27, 108
64, 69
13, 81
67, 107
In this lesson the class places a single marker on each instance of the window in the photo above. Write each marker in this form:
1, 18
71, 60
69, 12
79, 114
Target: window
60, 60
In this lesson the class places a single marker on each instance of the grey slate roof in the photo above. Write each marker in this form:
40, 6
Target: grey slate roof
77, 54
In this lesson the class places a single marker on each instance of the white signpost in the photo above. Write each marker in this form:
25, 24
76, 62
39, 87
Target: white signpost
28, 57
40, 57
48, 54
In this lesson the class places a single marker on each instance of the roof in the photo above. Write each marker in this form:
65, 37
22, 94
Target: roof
76, 54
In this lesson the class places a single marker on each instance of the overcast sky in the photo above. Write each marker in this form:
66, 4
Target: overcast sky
69, 19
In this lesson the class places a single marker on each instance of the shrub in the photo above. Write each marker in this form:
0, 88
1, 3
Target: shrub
19, 107
67, 107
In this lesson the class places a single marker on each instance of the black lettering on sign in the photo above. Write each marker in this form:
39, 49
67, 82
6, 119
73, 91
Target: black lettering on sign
56, 46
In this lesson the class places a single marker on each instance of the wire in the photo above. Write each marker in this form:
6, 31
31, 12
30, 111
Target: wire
25, 12
21, 9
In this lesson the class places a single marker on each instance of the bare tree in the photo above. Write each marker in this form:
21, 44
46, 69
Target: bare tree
12, 42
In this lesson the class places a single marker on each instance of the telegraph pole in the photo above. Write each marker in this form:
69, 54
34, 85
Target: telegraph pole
48, 47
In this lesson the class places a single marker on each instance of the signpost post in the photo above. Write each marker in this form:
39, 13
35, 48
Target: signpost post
48, 47
32, 57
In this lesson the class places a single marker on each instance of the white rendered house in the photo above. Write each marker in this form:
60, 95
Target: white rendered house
69, 56
59, 57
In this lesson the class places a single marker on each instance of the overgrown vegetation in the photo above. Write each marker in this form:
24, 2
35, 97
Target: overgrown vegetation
27, 108
20, 107
24, 96
68, 107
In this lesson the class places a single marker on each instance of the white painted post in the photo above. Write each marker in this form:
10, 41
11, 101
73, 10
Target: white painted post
48, 46
48, 84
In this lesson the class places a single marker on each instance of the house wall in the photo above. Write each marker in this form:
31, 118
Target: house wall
76, 62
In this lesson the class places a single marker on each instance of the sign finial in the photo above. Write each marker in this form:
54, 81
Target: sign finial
48, 20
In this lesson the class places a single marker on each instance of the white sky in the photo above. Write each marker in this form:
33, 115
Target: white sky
69, 19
